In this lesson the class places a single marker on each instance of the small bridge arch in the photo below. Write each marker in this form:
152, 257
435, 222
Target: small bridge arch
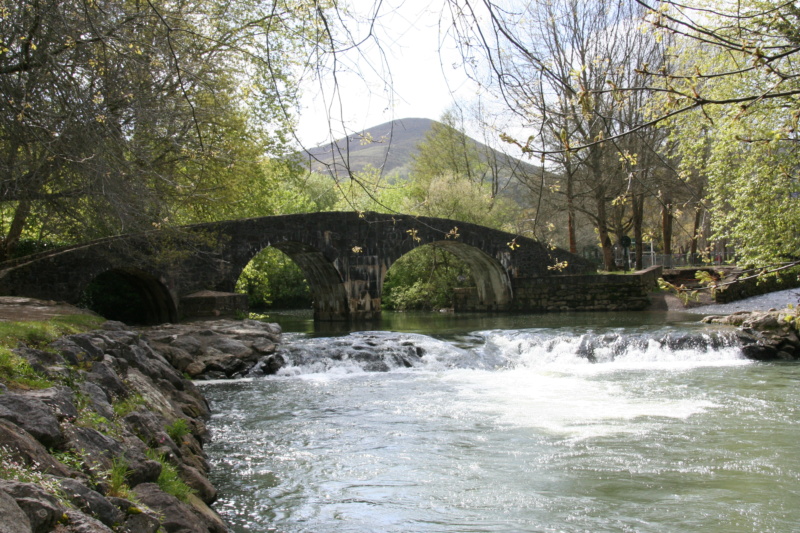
344, 256
151, 300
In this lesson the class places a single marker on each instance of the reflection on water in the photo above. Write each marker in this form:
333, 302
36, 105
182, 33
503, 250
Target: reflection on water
447, 324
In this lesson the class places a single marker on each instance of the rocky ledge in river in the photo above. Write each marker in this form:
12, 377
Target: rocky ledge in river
765, 335
117, 443
219, 349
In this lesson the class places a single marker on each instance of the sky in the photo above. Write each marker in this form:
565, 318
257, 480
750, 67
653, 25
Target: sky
423, 72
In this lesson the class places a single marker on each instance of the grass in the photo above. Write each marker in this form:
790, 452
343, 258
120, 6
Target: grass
15, 372
118, 479
169, 481
128, 405
177, 430
38, 334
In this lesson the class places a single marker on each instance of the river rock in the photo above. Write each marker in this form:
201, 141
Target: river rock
219, 349
100, 401
77, 522
97, 370
42, 509
138, 519
18, 445
48, 363
12, 518
765, 335
178, 517
32, 415
74, 352
61, 401
104, 376
197, 481
91, 502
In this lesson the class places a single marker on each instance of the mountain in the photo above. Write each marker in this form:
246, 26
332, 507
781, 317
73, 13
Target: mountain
390, 147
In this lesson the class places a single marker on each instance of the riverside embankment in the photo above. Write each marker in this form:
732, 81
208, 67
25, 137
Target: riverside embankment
107, 432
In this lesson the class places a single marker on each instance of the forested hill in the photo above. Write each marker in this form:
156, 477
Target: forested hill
390, 147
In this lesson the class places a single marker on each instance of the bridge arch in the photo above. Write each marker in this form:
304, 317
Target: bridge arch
146, 299
324, 281
492, 281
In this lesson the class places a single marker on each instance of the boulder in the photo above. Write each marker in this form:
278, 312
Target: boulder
42, 509
197, 481
178, 516
105, 376
91, 502
32, 415
22, 447
77, 522
42, 361
138, 519
60, 399
100, 401
12, 518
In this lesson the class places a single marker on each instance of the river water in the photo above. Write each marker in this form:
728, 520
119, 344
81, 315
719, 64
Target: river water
643, 422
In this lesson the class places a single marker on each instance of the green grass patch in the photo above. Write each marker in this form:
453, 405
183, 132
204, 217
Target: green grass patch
128, 405
15, 372
177, 430
37, 334
169, 481
118, 479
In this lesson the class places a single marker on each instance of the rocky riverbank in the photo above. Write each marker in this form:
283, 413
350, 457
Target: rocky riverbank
772, 335
115, 442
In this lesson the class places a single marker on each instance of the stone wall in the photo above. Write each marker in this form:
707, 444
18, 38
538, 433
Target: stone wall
574, 293
747, 288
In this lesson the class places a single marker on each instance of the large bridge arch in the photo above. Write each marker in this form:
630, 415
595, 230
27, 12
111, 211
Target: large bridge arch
492, 280
324, 281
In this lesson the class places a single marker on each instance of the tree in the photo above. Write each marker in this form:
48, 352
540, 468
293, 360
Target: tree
117, 115
741, 131
452, 178
558, 61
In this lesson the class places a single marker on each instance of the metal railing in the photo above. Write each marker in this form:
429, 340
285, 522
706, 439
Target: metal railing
678, 260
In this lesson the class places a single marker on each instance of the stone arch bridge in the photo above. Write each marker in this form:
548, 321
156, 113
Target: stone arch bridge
344, 256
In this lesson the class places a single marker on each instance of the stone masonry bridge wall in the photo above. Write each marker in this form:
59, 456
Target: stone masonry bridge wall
344, 257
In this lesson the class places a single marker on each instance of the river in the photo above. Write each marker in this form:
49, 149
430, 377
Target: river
645, 422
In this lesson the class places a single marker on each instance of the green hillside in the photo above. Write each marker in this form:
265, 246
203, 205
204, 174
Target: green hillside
390, 147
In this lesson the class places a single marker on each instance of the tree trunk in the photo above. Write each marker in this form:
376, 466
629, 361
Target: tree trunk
602, 230
666, 230
638, 220
698, 218
573, 243
15, 230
